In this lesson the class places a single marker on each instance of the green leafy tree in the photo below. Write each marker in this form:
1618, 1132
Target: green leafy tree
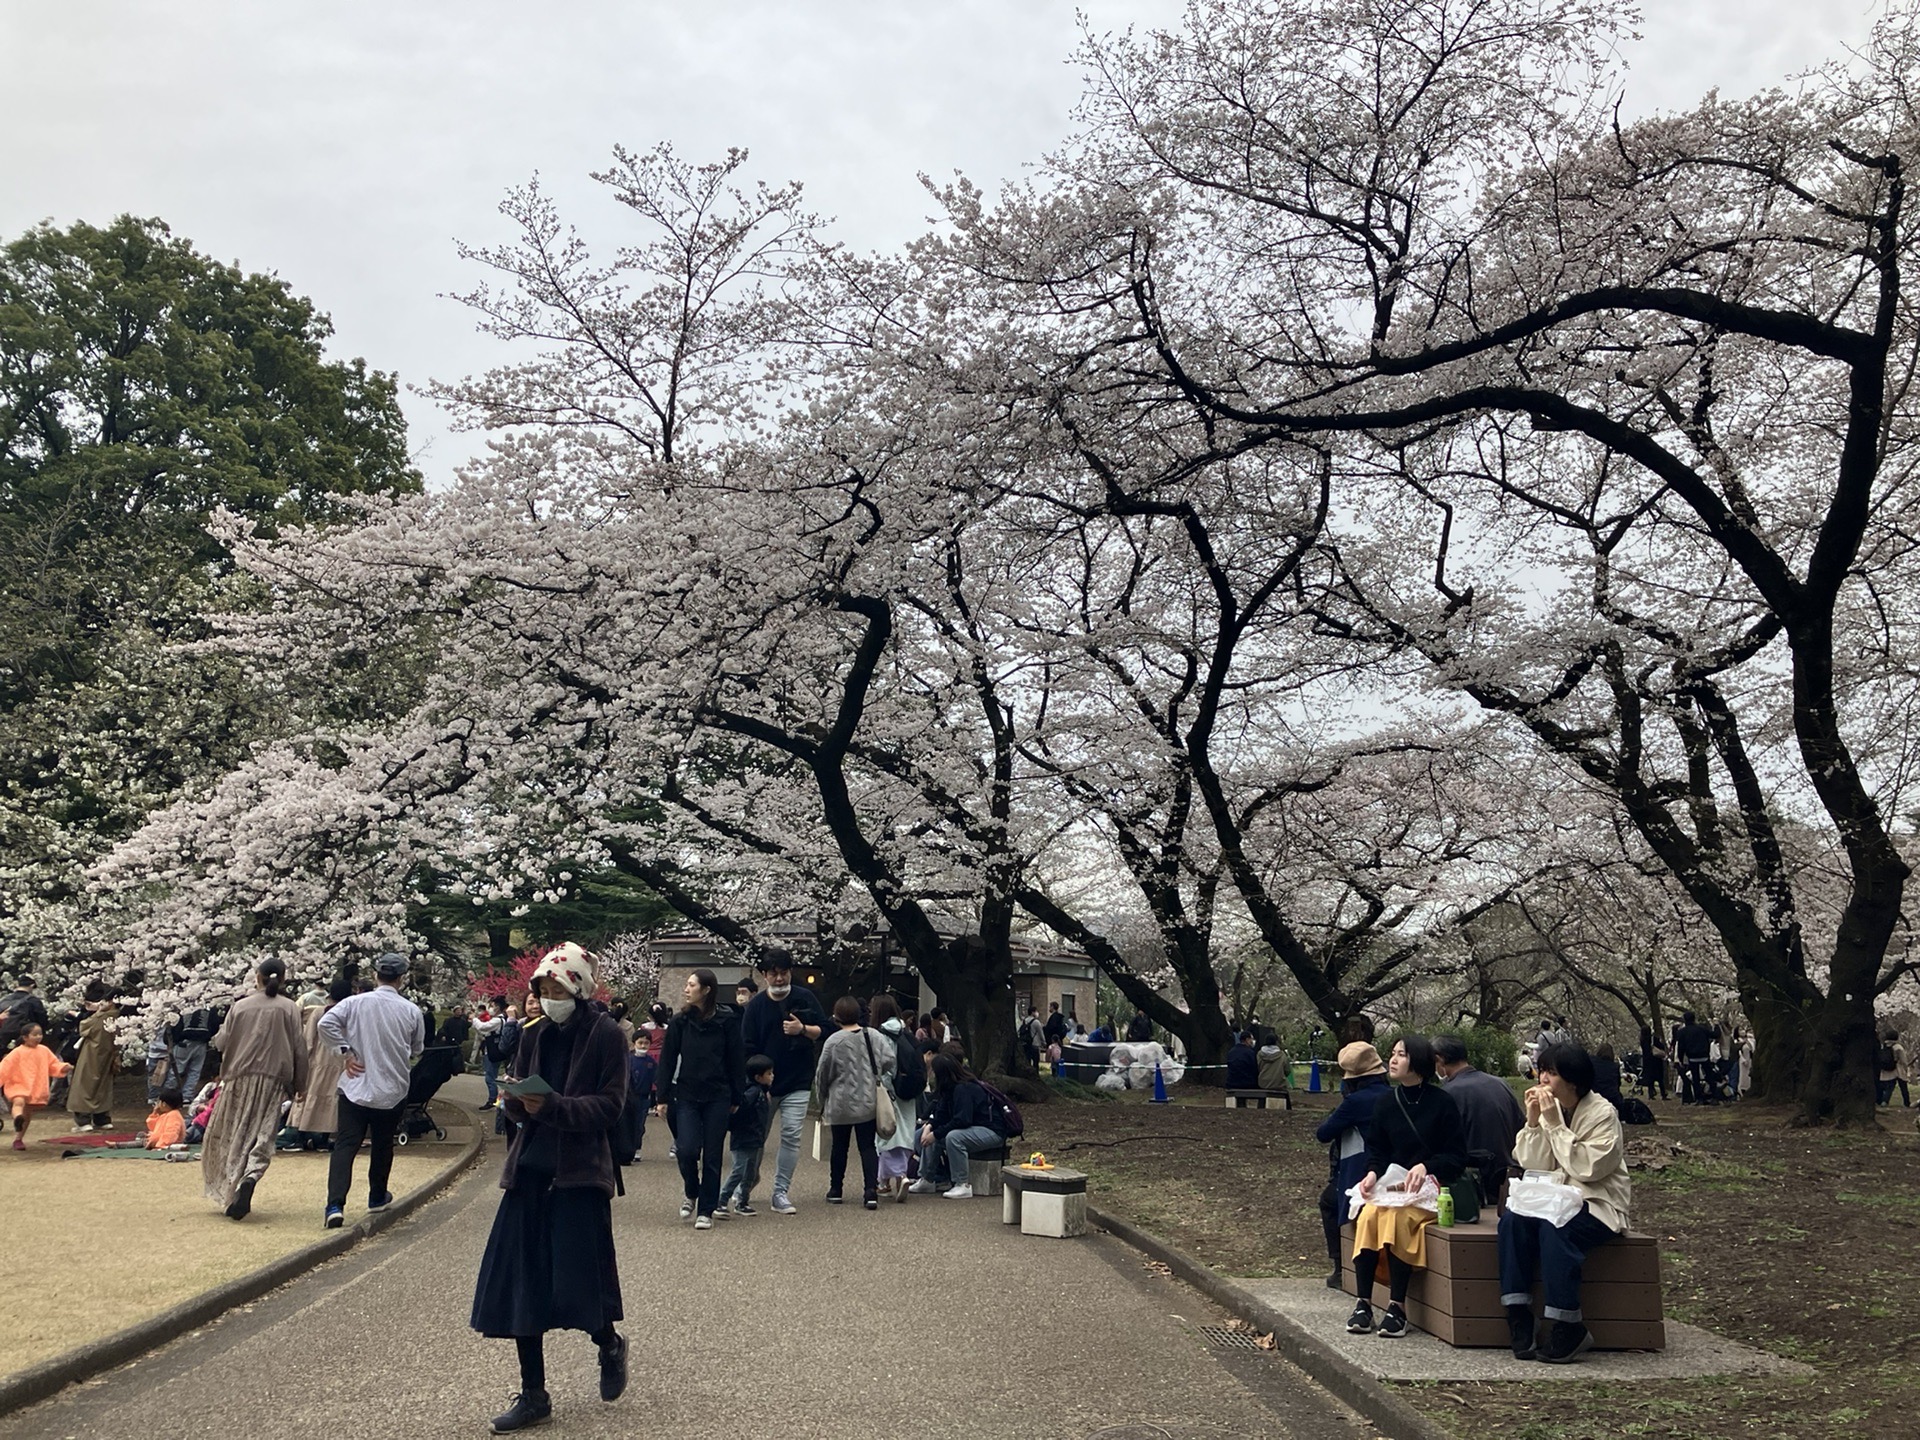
144, 387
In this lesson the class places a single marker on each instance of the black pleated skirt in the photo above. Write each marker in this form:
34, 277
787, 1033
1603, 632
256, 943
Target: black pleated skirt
549, 1263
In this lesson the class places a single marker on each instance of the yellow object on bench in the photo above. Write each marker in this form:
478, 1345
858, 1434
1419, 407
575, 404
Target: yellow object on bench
1456, 1298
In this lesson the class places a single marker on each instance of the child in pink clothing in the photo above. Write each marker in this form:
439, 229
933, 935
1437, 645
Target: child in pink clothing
26, 1080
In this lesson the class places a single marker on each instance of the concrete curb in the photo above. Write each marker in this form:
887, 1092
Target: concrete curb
1382, 1409
49, 1377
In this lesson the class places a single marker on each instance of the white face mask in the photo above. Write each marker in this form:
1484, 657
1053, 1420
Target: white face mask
780, 992
558, 1011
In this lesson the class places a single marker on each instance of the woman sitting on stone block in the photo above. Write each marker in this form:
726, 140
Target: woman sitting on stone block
1573, 1135
1415, 1125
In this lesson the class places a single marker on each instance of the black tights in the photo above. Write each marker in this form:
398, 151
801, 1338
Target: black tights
1399, 1276
533, 1358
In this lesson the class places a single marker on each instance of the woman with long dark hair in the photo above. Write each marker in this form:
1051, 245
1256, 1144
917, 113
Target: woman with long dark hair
702, 1077
550, 1261
263, 1064
1415, 1125
960, 1128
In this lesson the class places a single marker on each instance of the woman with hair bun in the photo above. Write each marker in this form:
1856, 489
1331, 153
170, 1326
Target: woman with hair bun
263, 1064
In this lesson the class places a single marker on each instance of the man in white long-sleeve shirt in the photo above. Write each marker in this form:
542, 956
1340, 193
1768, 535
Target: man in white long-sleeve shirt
381, 1033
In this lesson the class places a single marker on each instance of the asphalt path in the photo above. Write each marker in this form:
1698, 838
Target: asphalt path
925, 1319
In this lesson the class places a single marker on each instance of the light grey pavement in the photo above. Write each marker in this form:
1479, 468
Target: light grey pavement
1691, 1351
929, 1319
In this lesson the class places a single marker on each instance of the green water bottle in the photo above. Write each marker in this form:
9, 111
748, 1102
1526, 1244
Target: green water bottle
1446, 1209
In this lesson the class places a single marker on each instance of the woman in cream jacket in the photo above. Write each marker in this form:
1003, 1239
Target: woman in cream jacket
1573, 1135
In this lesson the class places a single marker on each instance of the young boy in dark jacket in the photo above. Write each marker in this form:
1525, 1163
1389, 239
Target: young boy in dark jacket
747, 1134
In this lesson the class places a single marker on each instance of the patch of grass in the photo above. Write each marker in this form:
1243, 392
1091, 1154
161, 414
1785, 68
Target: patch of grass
1065, 1089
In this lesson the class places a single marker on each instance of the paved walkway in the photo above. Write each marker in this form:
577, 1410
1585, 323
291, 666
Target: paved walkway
929, 1319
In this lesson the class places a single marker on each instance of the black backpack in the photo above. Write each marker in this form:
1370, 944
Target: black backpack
909, 1070
1002, 1114
197, 1026
503, 1042
1887, 1059
1635, 1111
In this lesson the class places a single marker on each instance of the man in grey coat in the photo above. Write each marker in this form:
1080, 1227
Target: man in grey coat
1490, 1113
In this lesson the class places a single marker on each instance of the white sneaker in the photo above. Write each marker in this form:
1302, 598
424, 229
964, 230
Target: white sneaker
962, 1191
705, 1222
922, 1186
83, 1129
686, 1209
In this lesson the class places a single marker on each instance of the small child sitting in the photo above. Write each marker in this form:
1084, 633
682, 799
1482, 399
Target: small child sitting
26, 1079
166, 1126
748, 1132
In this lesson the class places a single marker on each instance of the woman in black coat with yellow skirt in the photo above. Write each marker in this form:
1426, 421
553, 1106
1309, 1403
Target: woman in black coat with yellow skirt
549, 1263
1417, 1126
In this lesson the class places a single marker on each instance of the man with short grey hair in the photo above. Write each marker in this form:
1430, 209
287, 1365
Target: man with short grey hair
1490, 1113
381, 1033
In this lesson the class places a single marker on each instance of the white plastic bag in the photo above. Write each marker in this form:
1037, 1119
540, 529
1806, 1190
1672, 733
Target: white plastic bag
1542, 1198
1388, 1194
1110, 1080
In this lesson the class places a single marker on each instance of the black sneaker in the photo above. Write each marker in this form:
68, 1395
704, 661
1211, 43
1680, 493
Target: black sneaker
741, 1207
1520, 1331
1568, 1342
1333, 1281
1393, 1324
242, 1201
834, 1199
872, 1202
1360, 1322
377, 1203
613, 1369
529, 1408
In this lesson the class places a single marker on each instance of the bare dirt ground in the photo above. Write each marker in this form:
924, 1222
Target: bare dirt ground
1805, 1243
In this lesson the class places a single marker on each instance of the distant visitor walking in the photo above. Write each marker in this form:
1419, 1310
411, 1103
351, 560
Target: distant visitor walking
263, 1064
381, 1034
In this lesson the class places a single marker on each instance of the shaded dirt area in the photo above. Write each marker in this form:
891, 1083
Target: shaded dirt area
1805, 1243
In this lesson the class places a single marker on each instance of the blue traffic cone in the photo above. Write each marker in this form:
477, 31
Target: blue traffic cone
1159, 1085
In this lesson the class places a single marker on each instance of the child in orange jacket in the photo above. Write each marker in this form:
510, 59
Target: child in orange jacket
26, 1080
166, 1126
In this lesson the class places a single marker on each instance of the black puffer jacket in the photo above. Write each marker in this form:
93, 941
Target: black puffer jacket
702, 1060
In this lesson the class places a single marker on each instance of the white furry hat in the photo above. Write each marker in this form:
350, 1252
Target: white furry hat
572, 966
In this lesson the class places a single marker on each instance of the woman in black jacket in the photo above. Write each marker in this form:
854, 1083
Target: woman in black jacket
702, 1077
961, 1127
1417, 1126
549, 1263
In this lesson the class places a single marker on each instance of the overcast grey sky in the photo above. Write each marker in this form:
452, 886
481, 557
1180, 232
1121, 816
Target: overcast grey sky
344, 144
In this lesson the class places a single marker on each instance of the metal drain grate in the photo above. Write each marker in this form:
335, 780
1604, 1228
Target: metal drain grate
1231, 1339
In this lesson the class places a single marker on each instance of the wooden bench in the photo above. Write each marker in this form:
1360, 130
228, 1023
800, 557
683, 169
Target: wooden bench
1456, 1298
1044, 1202
1238, 1099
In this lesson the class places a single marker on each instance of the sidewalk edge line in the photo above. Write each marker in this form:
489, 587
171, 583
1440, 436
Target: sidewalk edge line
46, 1379
1382, 1409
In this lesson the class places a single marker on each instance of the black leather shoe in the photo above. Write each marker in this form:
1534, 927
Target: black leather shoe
1520, 1331
529, 1408
613, 1369
242, 1201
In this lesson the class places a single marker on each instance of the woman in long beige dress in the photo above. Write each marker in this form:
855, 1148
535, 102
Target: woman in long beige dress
90, 1091
317, 1110
263, 1064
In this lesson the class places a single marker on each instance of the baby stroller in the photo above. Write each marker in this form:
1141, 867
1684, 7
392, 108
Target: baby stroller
438, 1065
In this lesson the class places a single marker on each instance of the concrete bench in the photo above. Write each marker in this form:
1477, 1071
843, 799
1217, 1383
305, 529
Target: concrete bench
1240, 1099
1044, 1202
1456, 1298
984, 1169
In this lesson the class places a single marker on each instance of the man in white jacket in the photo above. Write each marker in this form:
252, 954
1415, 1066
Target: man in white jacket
1573, 1135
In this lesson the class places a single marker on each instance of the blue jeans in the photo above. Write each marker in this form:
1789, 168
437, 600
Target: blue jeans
960, 1146
491, 1069
1530, 1247
793, 1119
699, 1135
743, 1176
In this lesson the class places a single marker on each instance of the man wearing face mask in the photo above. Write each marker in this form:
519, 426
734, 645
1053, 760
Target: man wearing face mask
785, 1021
